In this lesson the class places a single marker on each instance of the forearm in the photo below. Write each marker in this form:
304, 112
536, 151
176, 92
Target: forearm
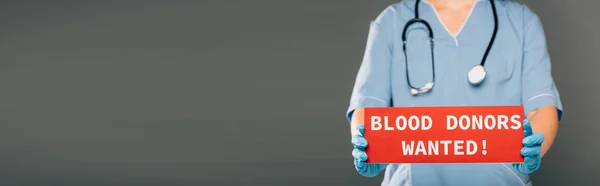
357, 119
545, 120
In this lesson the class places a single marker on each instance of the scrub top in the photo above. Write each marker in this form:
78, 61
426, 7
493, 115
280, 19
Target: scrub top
518, 73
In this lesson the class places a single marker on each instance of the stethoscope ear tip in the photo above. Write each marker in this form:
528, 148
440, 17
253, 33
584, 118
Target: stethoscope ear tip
414, 91
428, 85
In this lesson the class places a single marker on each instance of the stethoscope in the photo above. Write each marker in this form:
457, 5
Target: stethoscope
476, 74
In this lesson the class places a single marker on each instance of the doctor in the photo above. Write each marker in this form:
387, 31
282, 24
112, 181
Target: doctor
457, 53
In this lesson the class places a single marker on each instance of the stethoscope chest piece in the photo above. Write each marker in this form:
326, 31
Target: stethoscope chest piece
476, 75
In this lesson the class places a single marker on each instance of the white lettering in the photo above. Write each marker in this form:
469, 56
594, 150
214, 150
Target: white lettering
446, 143
464, 122
413, 123
407, 149
502, 122
458, 147
483, 122
516, 123
426, 122
477, 122
471, 147
375, 123
385, 121
420, 148
451, 122
401, 122
489, 124
432, 148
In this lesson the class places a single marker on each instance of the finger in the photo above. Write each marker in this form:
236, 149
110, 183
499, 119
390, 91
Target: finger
359, 164
531, 151
535, 139
529, 160
361, 129
359, 142
359, 154
527, 128
517, 166
532, 163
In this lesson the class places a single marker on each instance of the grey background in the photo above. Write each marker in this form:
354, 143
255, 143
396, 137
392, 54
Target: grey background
190, 92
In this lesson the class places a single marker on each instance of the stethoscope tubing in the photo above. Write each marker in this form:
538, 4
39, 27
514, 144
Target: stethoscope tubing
416, 19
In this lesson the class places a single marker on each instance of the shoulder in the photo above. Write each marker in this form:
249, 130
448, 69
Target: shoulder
520, 13
388, 13
395, 13
515, 7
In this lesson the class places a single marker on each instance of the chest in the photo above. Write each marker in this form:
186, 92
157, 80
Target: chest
447, 63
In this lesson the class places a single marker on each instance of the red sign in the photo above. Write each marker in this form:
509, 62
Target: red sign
482, 134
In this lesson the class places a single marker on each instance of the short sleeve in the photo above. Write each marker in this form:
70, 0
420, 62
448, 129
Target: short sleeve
539, 88
372, 86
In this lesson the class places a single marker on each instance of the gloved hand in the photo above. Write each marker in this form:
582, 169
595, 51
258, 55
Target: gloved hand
360, 156
532, 150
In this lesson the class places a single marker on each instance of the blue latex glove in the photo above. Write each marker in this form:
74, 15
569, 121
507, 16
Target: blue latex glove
360, 156
531, 151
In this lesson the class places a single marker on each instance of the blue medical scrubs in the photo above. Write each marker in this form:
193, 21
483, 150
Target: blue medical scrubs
518, 73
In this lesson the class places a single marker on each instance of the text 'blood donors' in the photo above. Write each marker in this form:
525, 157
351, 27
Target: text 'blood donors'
463, 122
444, 134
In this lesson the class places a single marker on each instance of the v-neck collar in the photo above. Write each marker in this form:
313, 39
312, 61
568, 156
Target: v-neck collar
441, 23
